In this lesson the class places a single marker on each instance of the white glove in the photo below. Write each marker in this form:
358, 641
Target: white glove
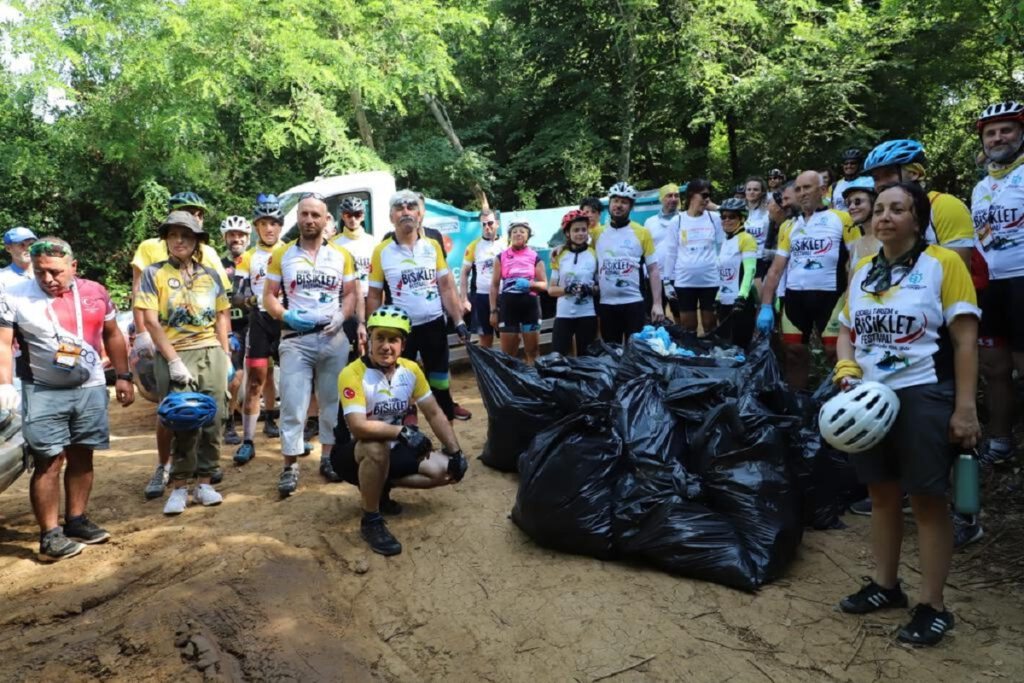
179, 373
334, 326
10, 399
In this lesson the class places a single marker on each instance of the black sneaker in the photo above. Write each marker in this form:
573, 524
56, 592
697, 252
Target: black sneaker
312, 428
217, 476
873, 597
387, 505
84, 530
966, 530
270, 428
327, 471
927, 626
55, 546
375, 532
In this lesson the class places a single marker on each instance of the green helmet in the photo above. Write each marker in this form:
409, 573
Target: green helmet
390, 316
184, 200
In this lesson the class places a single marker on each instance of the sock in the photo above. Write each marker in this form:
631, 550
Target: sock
249, 426
371, 517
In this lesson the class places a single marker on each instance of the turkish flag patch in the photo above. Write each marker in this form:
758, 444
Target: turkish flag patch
349, 393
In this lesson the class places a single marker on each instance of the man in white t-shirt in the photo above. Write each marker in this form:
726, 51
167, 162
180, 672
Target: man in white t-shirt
662, 225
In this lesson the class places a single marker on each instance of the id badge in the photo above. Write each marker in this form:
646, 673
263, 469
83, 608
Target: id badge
67, 357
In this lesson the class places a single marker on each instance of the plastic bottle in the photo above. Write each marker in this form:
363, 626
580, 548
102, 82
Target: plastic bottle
967, 491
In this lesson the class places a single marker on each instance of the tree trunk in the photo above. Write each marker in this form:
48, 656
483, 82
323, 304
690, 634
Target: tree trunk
365, 132
629, 58
730, 132
453, 138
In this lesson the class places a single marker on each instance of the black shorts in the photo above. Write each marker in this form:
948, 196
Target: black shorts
692, 297
618, 321
264, 336
481, 313
761, 270
1001, 322
343, 459
566, 330
807, 311
519, 313
916, 452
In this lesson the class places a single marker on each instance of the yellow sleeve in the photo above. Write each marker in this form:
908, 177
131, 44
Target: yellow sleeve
958, 295
274, 264
148, 253
350, 388
954, 227
440, 264
348, 269
554, 264
421, 389
747, 244
595, 234
643, 235
376, 276
242, 269
467, 257
148, 297
211, 259
784, 231
850, 232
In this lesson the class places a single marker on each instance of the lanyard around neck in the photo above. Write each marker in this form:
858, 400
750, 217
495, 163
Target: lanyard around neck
52, 314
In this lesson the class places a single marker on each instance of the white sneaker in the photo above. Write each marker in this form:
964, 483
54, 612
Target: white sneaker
207, 495
177, 501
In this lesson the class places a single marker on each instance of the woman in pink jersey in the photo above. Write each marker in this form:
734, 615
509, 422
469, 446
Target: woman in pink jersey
518, 276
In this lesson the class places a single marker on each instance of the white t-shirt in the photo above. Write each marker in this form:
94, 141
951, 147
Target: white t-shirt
661, 226
572, 267
838, 202
361, 248
756, 225
997, 207
814, 247
692, 253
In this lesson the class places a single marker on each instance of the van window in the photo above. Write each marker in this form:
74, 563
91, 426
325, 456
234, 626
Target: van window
334, 204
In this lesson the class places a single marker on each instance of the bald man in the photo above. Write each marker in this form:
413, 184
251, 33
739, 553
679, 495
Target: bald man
813, 255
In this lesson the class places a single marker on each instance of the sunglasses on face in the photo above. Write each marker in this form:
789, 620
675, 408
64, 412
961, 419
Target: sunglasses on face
705, 195
490, 223
47, 249
729, 217
353, 214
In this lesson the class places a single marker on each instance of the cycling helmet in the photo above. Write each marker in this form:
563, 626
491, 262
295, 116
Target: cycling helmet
184, 200
864, 183
776, 173
734, 204
268, 209
187, 411
856, 420
624, 190
739, 189
571, 217
390, 316
521, 223
237, 223
853, 154
1001, 111
895, 153
352, 205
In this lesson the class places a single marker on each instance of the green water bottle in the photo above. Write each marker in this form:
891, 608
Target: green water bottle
967, 487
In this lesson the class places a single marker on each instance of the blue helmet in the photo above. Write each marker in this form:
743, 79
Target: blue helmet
186, 199
270, 207
864, 183
187, 411
895, 153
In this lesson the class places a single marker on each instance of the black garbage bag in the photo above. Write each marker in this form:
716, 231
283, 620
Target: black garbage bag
826, 477
567, 483
600, 348
749, 481
641, 360
518, 402
578, 379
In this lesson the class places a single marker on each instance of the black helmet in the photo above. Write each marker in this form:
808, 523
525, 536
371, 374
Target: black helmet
735, 205
739, 189
352, 205
853, 154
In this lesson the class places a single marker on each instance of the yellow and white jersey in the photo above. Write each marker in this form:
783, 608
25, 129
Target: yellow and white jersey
154, 250
253, 267
480, 254
950, 223
574, 267
369, 391
412, 274
901, 336
814, 247
997, 206
734, 251
361, 248
756, 224
315, 286
619, 252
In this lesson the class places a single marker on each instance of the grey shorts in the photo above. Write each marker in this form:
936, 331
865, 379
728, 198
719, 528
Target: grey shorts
916, 452
53, 419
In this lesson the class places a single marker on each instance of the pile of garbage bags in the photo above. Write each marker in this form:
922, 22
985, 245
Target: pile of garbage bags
701, 463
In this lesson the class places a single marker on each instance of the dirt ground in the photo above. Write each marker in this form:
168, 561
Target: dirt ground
287, 591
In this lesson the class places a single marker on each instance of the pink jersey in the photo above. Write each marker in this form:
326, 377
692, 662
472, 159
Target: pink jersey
517, 263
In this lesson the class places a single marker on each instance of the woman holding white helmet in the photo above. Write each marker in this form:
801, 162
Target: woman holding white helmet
911, 324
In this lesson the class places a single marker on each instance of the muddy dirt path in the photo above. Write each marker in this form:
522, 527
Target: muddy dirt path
262, 589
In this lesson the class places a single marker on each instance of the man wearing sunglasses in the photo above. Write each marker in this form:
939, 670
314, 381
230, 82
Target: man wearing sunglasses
62, 323
477, 269
311, 288
417, 275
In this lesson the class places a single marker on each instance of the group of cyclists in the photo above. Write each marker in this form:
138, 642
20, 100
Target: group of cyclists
891, 277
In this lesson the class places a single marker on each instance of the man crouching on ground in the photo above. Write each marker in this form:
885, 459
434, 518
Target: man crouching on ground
376, 392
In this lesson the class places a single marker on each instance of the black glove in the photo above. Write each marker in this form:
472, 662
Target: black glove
416, 440
573, 289
350, 326
584, 291
462, 332
457, 465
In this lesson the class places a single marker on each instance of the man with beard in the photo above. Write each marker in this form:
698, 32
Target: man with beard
235, 231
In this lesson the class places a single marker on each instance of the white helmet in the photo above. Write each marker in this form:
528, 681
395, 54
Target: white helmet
621, 189
858, 419
238, 223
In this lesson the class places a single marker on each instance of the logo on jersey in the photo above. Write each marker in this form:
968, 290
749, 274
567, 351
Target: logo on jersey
812, 245
727, 273
888, 327
392, 406
316, 279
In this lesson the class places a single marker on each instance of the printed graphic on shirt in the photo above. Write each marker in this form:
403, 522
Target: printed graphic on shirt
997, 207
187, 308
412, 275
367, 390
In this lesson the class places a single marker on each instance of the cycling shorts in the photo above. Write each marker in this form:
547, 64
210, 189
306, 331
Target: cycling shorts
1002, 322
808, 311
519, 313
403, 462
481, 313
263, 338
690, 298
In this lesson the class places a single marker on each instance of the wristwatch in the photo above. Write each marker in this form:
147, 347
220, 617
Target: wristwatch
126, 376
